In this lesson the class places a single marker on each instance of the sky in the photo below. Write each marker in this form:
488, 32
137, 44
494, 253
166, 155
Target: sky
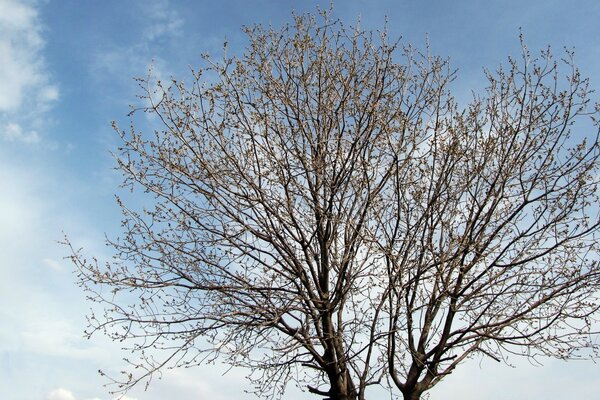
66, 72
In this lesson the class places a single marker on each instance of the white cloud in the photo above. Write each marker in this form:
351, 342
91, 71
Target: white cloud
43, 323
48, 94
53, 264
27, 90
60, 338
60, 394
64, 394
163, 20
119, 63
13, 132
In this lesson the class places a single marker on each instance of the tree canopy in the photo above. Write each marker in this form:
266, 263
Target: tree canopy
322, 210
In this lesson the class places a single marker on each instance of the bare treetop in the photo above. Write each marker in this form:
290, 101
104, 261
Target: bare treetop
322, 211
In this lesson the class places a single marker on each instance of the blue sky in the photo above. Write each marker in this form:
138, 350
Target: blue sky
66, 69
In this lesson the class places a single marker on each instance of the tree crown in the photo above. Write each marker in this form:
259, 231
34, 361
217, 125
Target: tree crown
324, 211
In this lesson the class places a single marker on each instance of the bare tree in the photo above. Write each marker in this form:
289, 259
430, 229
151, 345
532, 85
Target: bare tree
322, 211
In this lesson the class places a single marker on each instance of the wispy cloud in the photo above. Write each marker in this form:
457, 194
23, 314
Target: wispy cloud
60, 394
120, 62
53, 264
27, 91
13, 132
163, 20
43, 319
65, 394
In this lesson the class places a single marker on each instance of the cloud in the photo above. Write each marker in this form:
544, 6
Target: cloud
163, 20
58, 338
27, 91
35, 204
13, 132
53, 264
60, 394
64, 394
120, 62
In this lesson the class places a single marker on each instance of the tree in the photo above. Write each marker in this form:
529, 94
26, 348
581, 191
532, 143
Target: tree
323, 211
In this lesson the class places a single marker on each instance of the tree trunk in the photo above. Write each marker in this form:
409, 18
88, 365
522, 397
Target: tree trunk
411, 395
344, 388
342, 396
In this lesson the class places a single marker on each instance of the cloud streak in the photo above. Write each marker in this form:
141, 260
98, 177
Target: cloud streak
163, 20
27, 90
65, 394
60, 394
13, 132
